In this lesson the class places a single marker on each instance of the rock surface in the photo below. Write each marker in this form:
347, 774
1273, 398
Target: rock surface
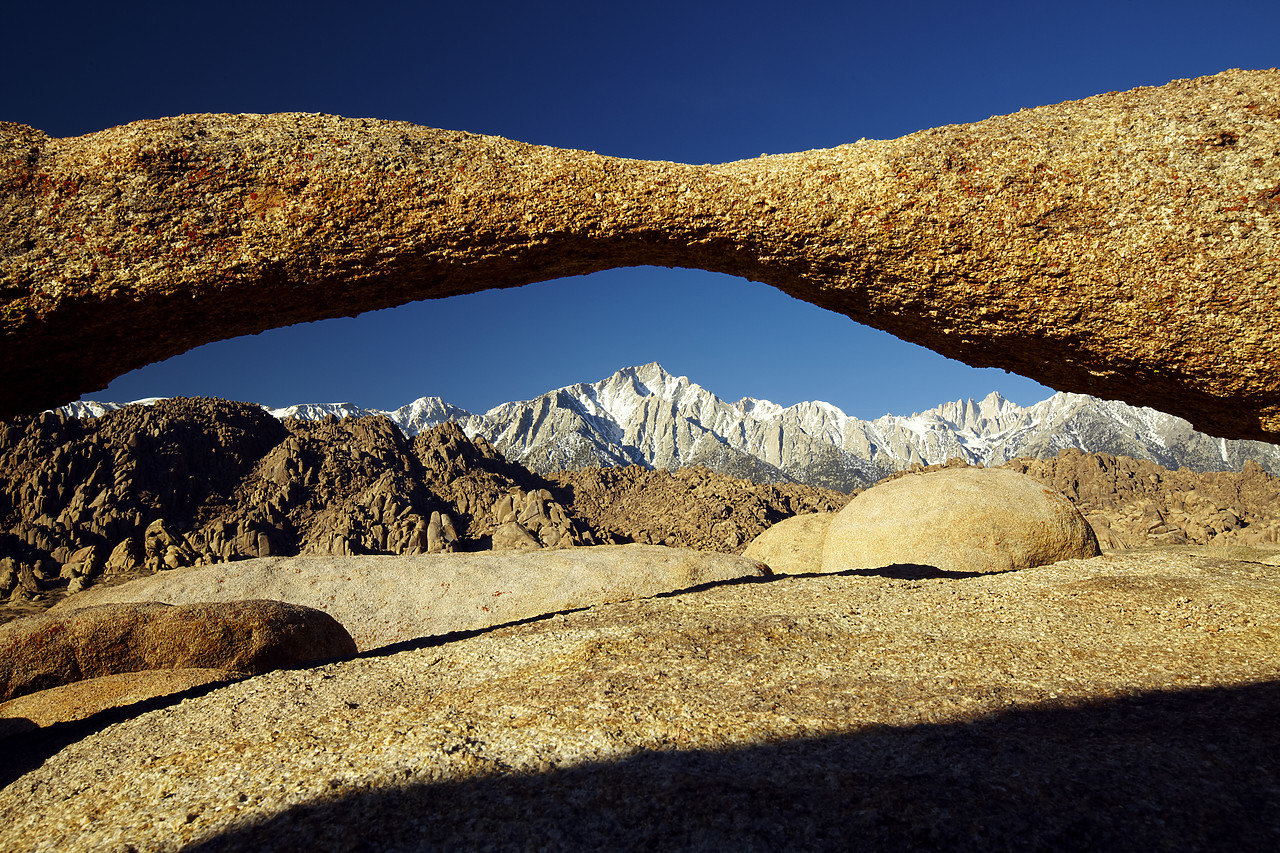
958, 520
1132, 504
386, 600
794, 545
83, 699
1120, 703
46, 651
687, 508
1122, 245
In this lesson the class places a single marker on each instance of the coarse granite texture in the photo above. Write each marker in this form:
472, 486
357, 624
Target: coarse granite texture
1125, 702
381, 600
1123, 246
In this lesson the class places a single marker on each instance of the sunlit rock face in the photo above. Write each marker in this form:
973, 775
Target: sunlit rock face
1123, 246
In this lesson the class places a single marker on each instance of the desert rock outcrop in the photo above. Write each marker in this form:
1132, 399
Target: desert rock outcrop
958, 520
1132, 504
41, 652
687, 507
82, 699
1122, 245
188, 482
793, 545
385, 600
1120, 703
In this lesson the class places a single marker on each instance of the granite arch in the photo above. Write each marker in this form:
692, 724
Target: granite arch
1125, 245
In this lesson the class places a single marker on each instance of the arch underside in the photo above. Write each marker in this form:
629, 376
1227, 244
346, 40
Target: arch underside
1099, 246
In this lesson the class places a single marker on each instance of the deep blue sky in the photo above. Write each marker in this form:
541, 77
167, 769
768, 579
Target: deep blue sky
687, 81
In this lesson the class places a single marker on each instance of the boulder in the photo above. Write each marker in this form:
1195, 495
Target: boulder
382, 600
958, 519
794, 545
40, 652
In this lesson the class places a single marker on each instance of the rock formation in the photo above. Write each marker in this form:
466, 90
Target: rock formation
81, 700
687, 508
250, 636
189, 482
794, 545
958, 520
184, 482
386, 600
1132, 504
1135, 503
1123, 245
1122, 703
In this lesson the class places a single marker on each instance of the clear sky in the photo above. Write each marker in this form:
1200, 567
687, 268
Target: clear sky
685, 81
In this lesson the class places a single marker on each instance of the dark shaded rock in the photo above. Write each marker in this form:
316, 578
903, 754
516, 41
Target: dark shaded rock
41, 652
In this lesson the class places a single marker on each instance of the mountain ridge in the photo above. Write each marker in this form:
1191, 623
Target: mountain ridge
644, 415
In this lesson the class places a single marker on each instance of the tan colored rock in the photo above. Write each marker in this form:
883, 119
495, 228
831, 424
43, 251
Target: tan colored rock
384, 600
83, 699
958, 520
794, 545
85, 562
1121, 246
514, 536
689, 507
1126, 702
40, 652
1135, 503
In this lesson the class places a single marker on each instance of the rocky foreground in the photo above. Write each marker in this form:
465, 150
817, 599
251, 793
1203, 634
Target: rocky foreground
1124, 702
199, 481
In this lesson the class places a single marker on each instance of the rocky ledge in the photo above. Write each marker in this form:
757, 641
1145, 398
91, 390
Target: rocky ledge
1121, 246
1124, 702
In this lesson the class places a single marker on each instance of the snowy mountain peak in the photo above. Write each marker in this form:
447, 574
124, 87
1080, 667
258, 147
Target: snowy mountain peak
758, 409
426, 412
316, 411
645, 416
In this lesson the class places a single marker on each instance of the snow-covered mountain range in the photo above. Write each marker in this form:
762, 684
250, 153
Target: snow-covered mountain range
645, 416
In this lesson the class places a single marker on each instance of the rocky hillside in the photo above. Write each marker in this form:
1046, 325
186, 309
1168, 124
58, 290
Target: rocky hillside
185, 482
1135, 503
689, 507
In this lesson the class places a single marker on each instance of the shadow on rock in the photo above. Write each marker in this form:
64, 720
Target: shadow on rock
25, 746
1186, 770
899, 572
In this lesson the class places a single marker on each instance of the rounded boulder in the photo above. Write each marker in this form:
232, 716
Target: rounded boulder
794, 545
251, 637
958, 519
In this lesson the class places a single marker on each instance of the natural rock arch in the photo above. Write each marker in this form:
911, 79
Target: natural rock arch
1125, 245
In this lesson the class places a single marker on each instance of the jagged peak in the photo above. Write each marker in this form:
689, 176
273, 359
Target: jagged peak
758, 409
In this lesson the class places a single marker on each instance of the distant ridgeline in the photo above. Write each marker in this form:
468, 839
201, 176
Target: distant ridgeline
645, 416
191, 481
